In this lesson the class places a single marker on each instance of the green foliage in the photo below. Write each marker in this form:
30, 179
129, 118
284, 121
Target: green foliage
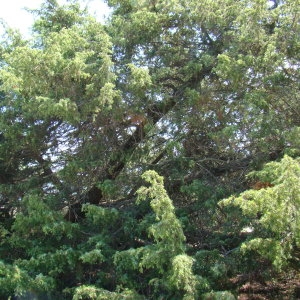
210, 264
93, 293
202, 92
293, 138
219, 296
166, 255
274, 211
203, 194
182, 277
64, 63
38, 227
100, 216
14, 280
108, 188
140, 80
167, 232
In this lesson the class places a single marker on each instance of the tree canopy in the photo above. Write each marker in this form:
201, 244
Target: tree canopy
154, 156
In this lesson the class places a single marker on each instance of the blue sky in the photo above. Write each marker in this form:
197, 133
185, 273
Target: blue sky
13, 13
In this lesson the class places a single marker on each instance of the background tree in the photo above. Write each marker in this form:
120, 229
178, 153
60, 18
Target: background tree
201, 92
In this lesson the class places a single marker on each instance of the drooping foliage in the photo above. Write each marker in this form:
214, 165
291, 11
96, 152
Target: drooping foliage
204, 93
274, 212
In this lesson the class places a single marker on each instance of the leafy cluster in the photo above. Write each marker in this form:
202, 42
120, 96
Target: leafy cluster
273, 211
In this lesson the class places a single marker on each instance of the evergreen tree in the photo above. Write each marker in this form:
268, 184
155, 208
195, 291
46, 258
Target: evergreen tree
204, 93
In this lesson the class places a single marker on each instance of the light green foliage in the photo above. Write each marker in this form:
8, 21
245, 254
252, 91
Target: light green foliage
39, 222
93, 293
219, 296
279, 208
92, 257
100, 216
36, 231
167, 254
14, 280
85, 292
182, 277
140, 79
108, 188
167, 232
50, 77
53, 17
51, 263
